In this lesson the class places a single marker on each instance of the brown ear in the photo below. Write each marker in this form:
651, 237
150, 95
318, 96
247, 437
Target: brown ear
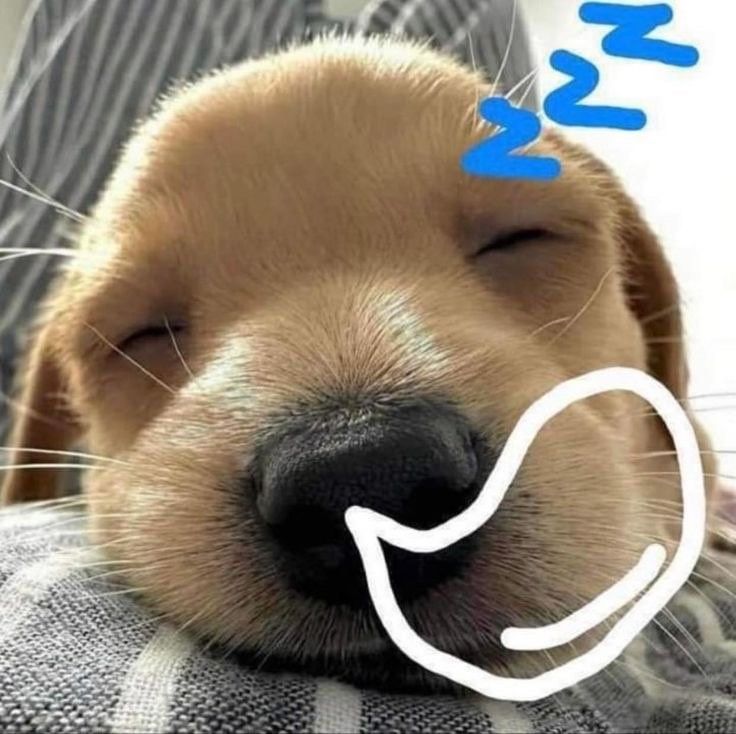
41, 421
653, 296
651, 289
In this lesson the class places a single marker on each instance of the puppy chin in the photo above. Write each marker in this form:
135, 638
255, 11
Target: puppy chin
390, 671
380, 665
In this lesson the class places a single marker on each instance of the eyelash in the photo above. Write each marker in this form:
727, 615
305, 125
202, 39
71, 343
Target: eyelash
150, 332
510, 239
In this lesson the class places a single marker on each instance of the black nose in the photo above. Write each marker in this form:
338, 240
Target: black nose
418, 464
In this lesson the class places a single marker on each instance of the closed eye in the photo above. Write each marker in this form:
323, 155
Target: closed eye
150, 332
510, 239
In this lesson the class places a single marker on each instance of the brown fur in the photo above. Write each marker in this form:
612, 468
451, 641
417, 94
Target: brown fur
306, 215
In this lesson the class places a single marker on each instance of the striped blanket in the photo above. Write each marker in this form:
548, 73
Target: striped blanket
77, 655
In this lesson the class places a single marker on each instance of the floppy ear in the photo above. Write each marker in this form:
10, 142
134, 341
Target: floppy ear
650, 287
654, 297
41, 420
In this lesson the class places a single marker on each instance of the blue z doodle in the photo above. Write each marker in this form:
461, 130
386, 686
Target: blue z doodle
633, 25
563, 105
495, 158
629, 39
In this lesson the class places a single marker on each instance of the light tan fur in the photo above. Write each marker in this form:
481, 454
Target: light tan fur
307, 217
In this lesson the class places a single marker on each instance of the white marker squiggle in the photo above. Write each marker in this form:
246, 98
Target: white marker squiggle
369, 528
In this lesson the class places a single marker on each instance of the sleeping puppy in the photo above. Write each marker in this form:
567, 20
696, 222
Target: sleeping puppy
290, 299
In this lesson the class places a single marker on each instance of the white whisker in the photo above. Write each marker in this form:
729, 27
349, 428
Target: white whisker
130, 359
49, 466
60, 208
75, 454
14, 253
177, 349
586, 306
507, 53
527, 92
18, 406
530, 76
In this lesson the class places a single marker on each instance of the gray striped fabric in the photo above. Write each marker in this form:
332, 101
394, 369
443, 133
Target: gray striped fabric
89, 69
78, 656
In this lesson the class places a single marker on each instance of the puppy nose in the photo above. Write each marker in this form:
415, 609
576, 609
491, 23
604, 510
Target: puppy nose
417, 464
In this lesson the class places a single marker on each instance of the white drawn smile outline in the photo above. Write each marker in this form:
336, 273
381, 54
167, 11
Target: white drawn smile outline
369, 528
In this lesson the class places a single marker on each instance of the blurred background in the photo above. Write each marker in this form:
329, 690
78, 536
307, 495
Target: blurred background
680, 168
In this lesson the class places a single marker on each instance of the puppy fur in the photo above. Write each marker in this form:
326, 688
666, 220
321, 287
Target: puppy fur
303, 224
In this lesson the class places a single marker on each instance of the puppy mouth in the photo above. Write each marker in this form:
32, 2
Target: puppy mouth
365, 656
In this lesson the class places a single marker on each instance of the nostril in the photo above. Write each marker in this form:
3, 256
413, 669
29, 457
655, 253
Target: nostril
308, 527
434, 502
328, 557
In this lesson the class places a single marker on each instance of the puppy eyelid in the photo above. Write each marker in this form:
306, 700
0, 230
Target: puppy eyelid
515, 237
165, 329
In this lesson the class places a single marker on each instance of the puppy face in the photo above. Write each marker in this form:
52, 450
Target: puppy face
290, 299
